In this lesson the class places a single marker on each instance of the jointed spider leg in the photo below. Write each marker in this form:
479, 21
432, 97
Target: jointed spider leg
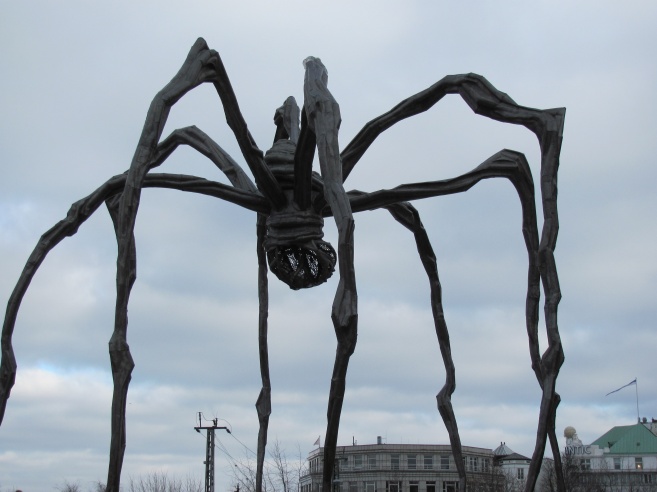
265, 180
197, 68
263, 405
479, 95
201, 142
323, 115
409, 217
286, 119
201, 65
121, 359
303, 164
79, 212
508, 164
547, 125
505, 163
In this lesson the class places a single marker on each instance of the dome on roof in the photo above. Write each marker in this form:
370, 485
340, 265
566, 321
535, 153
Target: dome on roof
503, 450
569, 432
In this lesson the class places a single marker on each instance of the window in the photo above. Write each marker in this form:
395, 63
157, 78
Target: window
450, 486
411, 461
585, 464
428, 462
370, 486
617, 463
353, 486
414, 487
638, 463
394, 461
485, 464
520, 473
371, 461
472, 463
647, 478
444, 462
358, 461
431, 486
393, 486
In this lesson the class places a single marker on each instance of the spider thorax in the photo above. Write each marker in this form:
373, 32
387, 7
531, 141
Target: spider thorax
296, 253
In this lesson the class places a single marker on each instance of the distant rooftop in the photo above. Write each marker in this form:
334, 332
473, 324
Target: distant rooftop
503, 450
628, 439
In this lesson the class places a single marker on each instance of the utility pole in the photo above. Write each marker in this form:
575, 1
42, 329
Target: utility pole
209, 451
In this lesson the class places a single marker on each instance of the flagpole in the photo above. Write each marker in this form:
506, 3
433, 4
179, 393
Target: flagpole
636, 386
634, 382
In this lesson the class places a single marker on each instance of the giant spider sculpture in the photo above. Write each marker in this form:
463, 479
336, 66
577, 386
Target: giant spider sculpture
291, 202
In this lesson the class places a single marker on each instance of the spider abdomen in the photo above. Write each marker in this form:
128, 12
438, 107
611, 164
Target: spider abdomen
296, 253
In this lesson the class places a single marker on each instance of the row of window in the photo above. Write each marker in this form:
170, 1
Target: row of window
396, 486
585, 463
398, 462
618, 478
412, 462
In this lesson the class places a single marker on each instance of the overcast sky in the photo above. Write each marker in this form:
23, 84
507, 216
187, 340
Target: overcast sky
77, 80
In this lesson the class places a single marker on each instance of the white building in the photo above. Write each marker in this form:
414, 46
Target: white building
408, 468
512, 465
623, 458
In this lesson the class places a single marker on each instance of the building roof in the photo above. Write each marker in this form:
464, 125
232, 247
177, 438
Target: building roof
505, 453
628, 439
503, 450
512, 457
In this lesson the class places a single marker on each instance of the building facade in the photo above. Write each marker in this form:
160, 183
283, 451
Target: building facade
513, 466
402, 468
623, 459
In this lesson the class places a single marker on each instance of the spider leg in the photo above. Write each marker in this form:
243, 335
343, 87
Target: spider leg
547, 125
265, 180
323, 117
201, 65
483, 99
121, 360
513, 166
79, 212
263, 404
202, 143
303, 164
409, 217
286, 119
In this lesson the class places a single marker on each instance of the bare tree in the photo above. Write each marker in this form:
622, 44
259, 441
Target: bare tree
581, 478
280, 474
495, 479
69, 487
160, 482
99, 487
244, 477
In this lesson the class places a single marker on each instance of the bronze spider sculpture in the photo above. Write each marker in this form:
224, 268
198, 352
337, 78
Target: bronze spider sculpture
291, 202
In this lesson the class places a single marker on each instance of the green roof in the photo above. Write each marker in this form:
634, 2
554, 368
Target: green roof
628, 439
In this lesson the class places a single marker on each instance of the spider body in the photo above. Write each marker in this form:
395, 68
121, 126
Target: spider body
291, 202
296, 253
